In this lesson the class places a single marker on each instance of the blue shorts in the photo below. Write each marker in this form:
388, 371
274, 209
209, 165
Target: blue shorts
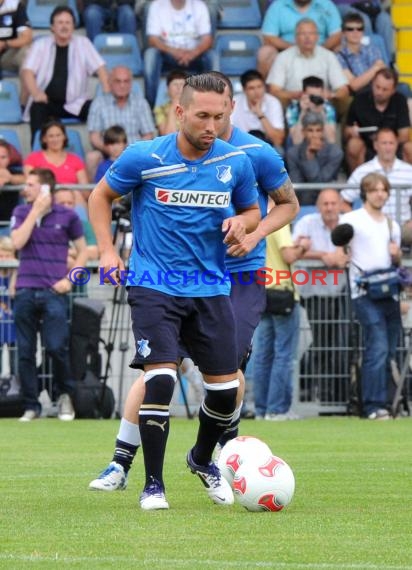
205, 325
248, 301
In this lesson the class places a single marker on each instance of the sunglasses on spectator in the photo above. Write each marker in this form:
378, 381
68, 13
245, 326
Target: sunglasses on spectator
353, 28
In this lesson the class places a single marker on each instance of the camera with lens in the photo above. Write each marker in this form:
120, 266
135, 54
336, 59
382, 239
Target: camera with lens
316, 99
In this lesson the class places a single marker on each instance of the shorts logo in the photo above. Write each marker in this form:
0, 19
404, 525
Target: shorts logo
193, 198
224, 173
143, 347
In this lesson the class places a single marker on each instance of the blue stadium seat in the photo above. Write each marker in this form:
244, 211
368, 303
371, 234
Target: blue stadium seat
239, 14
304, 211
39, 11
75, 143
120, 49
10, 110
236, 52
10, 136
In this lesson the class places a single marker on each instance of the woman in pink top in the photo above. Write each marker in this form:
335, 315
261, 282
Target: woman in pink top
67, 167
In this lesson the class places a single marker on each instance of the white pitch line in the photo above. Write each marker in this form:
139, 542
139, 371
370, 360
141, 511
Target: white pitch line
200, 563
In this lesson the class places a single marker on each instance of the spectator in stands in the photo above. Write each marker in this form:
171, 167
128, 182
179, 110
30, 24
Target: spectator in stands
15, 35
42, 232
67, 167
303, 59
179, 35
115, 141
369, 111
359, 62
7, 291
165, 116
322, 300
120, 106
314, 99
276, 338
280, 22
108, 16
313, 160
256, 110
374, 16
380, 320
8, 199
398, 172
56, 72
66, 197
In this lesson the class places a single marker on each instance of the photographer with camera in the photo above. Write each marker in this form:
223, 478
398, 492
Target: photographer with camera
313, 98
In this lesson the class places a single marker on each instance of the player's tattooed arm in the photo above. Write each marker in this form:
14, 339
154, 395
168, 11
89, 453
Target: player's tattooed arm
285, 194
285, 209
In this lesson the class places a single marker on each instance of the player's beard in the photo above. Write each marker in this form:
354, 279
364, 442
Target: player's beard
197, 143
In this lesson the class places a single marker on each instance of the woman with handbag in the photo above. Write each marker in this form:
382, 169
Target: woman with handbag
277, 335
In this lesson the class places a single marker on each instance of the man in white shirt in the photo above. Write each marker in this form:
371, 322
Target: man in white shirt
398, 172
256, 110
375, 246
179, 35
303, 59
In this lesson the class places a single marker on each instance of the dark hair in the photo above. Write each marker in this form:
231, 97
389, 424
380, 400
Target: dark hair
48, 125
45, 176
225, 80
61, 10
388, 73
369, 182
354, 17
176, 74
312, 81
202, 83
250, 75
114, 134
5, 145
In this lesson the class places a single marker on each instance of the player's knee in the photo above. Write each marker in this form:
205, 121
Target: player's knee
221, 398
160, 384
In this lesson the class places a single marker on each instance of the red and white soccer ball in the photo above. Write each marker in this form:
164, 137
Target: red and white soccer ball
266, 485
237, 451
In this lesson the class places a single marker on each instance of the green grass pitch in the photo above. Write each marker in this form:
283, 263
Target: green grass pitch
352, 507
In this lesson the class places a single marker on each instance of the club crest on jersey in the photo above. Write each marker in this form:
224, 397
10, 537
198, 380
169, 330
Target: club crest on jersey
224, 173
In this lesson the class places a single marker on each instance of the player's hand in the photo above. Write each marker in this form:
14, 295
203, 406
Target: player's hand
111, 267
235, 230
249, 243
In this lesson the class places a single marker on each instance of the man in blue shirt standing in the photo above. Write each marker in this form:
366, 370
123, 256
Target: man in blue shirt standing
182, 185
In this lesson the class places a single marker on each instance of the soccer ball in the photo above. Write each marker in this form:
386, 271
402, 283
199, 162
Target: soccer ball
237, 451
266, 485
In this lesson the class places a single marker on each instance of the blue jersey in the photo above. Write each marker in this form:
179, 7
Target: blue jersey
270, 173
178, 207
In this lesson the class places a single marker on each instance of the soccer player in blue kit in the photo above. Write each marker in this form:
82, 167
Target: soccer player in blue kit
247, 292
181, 187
